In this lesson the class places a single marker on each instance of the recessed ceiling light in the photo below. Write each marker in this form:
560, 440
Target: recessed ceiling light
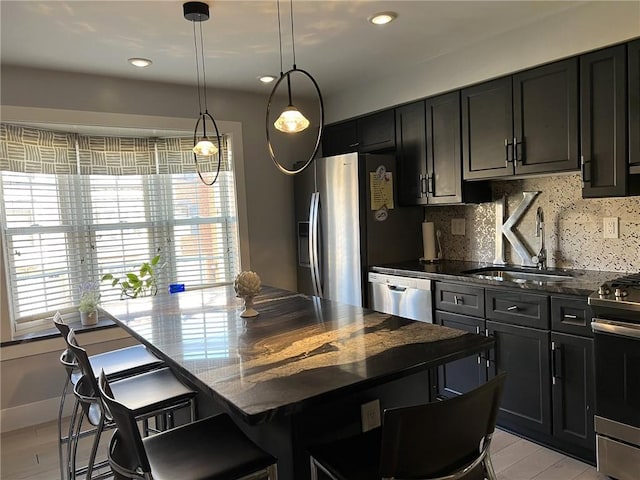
140, 62
266, 78
383, 18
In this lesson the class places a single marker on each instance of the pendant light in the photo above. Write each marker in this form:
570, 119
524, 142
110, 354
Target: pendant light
198, 12
291, 120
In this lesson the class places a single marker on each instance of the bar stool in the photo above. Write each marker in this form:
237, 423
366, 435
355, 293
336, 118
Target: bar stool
210, 449
149, 394
442, 440
116, 363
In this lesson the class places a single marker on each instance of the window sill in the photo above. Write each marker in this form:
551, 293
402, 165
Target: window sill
50, 340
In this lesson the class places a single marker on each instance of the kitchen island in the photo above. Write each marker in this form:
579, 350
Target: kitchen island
298, 372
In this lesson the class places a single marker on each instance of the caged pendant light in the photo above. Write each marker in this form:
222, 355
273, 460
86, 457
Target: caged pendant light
291, 120
198, 12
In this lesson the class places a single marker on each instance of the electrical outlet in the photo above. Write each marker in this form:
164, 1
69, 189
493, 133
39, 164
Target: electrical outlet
370, 414
610, 227
457, 226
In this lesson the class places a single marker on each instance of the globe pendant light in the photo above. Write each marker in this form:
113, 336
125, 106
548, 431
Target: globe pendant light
198, 12
291, 120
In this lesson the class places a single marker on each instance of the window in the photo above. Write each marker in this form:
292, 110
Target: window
61, 230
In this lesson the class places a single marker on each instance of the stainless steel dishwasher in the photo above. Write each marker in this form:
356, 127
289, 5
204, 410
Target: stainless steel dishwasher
403, 296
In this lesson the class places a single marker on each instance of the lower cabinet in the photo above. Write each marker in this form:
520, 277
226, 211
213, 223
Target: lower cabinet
543, 343
523, 353
462, 375
573, 389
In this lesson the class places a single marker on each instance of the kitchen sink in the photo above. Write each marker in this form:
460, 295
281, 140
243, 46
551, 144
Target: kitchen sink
518, 274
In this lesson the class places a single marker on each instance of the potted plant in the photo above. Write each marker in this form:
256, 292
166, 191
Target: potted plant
89, 300
141, 282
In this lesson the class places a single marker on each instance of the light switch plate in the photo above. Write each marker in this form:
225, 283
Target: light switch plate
457, 226
370, 413
610, 227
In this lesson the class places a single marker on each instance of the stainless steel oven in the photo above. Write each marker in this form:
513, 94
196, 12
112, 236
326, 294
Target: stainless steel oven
616, 328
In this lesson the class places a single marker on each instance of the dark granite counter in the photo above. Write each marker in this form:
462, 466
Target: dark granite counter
299, 352
582, 282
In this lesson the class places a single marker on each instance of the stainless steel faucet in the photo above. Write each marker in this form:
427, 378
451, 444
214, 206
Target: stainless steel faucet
541, 258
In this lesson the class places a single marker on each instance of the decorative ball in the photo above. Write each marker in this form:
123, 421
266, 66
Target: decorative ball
247, 283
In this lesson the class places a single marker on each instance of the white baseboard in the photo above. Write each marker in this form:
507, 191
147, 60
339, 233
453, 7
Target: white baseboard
35, 413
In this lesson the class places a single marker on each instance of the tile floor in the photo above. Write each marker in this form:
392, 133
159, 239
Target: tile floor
31, 453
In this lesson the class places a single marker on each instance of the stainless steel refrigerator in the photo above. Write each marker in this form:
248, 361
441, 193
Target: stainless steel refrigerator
347, 220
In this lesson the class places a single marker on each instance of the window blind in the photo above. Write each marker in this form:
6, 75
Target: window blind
61, 231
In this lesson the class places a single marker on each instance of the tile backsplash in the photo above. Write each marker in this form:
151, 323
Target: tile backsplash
574, 226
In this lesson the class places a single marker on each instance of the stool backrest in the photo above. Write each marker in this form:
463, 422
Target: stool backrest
441, 437
82, 358
126, 451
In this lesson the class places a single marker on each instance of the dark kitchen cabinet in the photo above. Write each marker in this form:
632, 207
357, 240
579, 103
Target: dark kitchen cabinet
444, 156
487, 130
522, 124
461, 376
603, 84
633, 55
463, 299
429, 154
544, 343
411, 154
572, 374
545, 118
573, 389
373, 133
377, 132
523, 353
340, 138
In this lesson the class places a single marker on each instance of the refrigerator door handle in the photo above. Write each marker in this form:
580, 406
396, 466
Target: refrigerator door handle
313, 244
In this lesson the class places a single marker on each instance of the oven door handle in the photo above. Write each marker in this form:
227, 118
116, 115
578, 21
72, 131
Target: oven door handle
616, 328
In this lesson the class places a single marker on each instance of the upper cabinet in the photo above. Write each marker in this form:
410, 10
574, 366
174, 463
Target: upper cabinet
603, 119
633, 54
340, 138
377, 132
411, 154
429, 154
522, 124
373, 133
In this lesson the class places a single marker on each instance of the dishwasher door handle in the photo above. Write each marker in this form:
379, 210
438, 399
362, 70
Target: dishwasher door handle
396, 288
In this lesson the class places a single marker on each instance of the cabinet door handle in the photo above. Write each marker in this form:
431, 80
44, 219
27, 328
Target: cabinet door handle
513, 308
518, 157
423, 185
354, 144
458, 300
430, 188
583, 171
568, 316
556, 360
507, 147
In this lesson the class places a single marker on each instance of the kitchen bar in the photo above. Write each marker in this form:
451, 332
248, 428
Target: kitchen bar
303, 357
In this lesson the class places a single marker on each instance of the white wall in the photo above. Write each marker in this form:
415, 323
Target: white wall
587, 27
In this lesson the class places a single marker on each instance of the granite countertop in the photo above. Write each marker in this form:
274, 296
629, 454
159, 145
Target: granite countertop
300, 351
582, 282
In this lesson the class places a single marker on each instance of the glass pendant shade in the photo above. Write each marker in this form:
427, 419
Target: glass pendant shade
205, 148
291, 121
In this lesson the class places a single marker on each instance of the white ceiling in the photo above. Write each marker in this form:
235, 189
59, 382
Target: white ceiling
334, 40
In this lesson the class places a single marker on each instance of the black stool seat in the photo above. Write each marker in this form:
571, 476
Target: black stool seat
213, 448
151, 391
125, 361
210, 449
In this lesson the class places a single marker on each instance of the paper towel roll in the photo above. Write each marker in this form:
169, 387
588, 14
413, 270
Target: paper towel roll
429, 242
